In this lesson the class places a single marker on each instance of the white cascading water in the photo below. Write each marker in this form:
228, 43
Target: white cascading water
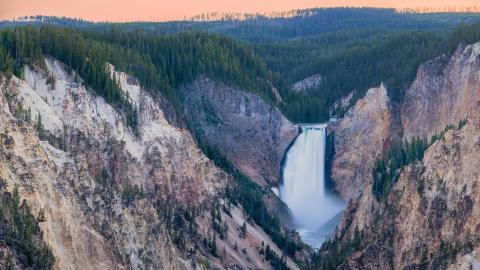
313, 207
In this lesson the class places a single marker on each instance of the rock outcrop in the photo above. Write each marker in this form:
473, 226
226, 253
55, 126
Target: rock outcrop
431, 218
252, 134
445, 90
342, 105
114, 197
306, 84
359, 139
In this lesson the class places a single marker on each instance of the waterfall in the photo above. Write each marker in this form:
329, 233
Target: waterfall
313, 207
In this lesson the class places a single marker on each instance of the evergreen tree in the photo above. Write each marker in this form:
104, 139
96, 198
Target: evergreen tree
28, 116
243, 231
39, 124
213, 245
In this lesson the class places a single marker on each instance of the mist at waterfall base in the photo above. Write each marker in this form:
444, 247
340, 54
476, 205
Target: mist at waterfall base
315, 209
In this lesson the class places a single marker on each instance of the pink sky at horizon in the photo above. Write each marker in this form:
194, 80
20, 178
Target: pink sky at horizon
155, 10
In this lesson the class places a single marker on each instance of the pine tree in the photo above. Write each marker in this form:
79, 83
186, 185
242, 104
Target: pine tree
243, 232
41, 216
8, 65
39, 125
28, 116
213, 245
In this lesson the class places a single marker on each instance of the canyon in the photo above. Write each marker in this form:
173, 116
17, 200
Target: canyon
114, 197
252, 134
429, 220
191, 158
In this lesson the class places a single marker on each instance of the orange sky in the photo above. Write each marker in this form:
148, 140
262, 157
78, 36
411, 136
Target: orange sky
129, 10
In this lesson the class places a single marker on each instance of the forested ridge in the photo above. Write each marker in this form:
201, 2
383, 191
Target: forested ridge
351, 49
278, 26
161, 63
180, 58
355, 61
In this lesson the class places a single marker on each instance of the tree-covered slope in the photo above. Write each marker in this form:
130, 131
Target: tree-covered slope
356, 62
161, 63
350, 48
278, 26
23, 243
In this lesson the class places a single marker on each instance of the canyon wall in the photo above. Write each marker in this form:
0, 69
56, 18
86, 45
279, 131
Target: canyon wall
445, 90
359, 139
430, 218
116, 196
252, 134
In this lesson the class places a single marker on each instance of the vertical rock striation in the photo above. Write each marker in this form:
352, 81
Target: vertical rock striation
252, 134
445, 90
115, 196
360, 138
430, 219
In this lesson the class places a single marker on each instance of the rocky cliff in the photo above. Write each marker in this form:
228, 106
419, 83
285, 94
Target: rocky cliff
359, 139
115, 196
445, 90
430, 218
249, 132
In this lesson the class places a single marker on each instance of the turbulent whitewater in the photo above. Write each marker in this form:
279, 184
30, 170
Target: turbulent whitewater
315, 209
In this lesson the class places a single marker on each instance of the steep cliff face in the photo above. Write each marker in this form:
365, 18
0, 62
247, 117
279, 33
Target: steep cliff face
250, 133
431, 218
360, 138
80, 174
445, 90
112, 197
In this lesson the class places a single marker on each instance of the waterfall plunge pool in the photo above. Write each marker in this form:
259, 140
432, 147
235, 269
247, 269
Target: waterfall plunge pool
315, 209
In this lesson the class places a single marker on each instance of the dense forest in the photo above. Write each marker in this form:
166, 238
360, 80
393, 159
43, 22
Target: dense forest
347, 60
21, 234
278, 26
355, 61
161, 63
352, 49
181, 58
297, 24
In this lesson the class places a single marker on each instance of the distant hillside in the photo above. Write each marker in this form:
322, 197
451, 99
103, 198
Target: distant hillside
161, 63
312, 22
47, 20
350, 48
281, 25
